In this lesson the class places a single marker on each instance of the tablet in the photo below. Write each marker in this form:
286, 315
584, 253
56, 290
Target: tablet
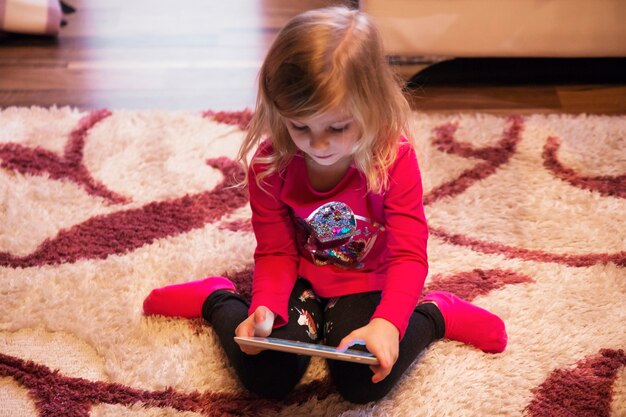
310, 349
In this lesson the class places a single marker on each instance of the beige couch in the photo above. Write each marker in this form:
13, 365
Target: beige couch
441, 29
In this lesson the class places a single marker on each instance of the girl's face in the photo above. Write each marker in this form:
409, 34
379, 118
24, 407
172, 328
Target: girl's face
327, 139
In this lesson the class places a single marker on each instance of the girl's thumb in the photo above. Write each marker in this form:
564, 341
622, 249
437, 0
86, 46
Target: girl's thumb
263, 322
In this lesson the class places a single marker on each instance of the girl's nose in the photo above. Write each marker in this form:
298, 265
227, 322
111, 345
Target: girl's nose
319, 142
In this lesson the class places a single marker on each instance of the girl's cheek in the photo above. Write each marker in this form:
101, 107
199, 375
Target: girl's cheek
294, 136
298, 141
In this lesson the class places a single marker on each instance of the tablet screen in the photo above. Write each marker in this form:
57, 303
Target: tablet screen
311, 349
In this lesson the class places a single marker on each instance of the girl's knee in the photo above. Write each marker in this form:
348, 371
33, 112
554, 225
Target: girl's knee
363, 391
273, 390
354, 383
271, 374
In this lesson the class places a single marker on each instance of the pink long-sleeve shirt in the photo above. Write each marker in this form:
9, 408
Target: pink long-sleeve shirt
343, 241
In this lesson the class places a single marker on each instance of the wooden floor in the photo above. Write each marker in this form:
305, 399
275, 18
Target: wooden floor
199, 54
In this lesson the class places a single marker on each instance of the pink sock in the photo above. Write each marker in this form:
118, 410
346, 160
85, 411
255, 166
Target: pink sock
184, 300
470, 324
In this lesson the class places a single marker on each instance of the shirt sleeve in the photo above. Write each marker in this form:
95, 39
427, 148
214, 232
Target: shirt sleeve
275, 256
407, 236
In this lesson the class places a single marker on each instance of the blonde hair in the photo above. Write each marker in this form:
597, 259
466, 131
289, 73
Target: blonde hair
320, 60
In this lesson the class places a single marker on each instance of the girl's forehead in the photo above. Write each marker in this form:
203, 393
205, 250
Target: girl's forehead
334, 115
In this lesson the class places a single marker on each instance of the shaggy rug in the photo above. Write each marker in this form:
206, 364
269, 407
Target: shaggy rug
527, 218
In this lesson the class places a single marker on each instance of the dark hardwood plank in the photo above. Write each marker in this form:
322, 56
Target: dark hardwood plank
599, 99
507, 99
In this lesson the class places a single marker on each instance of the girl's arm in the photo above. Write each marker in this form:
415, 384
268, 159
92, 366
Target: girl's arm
275, 256
407, 235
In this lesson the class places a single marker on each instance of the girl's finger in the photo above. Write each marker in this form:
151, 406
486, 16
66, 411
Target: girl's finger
381, 371
379, 374
375, 370
346, 342
350, 340
250, 350
247, 331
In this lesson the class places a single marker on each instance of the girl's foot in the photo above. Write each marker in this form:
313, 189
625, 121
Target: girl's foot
468, 323
184, 300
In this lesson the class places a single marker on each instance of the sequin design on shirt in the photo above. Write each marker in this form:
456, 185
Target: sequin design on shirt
332, 235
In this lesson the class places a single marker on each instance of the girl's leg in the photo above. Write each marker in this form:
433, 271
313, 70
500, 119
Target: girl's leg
468, 323
270, 374
184, 300
354, 381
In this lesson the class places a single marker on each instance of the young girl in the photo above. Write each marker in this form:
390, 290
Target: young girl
336, 199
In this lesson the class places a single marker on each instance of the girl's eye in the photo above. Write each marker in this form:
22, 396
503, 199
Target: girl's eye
300, 128
339, 129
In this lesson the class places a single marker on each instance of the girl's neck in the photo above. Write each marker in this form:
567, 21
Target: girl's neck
325, 178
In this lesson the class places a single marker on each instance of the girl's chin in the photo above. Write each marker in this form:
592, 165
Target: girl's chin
332, 162
328, 160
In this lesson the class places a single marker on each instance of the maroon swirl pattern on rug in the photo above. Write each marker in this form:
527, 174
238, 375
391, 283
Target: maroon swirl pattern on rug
241, 225
243, 282
123, 231
471, 284
585, 391
38, 161
494, 157
512, 252
58, 395
240, 119
606, 185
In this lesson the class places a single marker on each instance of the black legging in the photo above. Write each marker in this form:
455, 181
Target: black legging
273, 374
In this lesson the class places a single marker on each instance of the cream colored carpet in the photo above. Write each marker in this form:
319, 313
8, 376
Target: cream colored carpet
527, 216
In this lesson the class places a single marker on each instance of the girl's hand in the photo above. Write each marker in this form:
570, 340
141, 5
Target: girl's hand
259, 323
382, 339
